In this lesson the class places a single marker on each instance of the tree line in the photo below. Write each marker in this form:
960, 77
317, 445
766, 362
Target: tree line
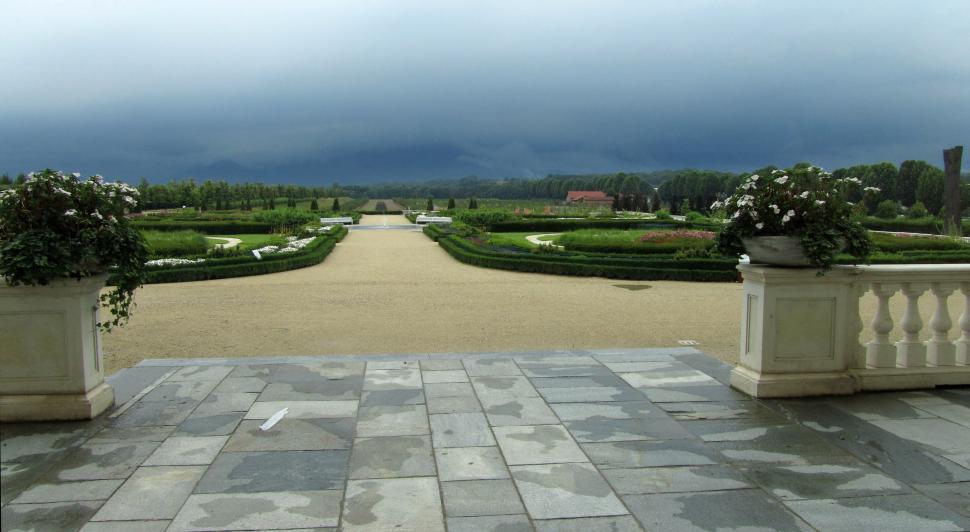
680, 190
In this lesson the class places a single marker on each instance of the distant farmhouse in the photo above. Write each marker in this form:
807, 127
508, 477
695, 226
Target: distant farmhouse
589, 198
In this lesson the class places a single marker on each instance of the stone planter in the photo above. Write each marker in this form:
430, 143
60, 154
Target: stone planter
776, 250
51, 364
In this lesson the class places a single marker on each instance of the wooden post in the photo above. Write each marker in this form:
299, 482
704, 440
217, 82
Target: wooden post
951, 160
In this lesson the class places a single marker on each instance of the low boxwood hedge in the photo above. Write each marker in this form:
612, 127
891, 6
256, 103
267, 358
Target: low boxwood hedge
562, 226
381, 212
617, 267
245, 265
212, 227
929, 225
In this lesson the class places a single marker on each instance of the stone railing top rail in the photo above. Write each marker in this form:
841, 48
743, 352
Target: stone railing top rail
900, 273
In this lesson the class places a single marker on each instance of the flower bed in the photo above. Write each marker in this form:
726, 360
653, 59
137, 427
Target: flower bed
636, 242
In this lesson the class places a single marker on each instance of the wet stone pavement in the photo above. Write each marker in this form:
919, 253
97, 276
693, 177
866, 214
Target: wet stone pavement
618, 440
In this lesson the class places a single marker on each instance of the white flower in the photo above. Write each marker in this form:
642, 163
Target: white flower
76, 175
736, 214
849, 203
872, 189
775, 208
759, 225
754, 177
716, 205
855, 180
782, 180
785, 218
60, 190
790, 213
97, 178
172, 262
97, 215
804, 195
819, 202
70, 212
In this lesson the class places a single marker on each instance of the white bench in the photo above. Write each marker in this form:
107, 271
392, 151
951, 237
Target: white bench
346, 220
422, 219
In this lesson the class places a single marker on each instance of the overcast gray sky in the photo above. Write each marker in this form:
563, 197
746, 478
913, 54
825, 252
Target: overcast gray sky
375, 90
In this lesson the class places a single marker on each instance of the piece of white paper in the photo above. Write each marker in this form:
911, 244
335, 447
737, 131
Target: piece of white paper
274, 419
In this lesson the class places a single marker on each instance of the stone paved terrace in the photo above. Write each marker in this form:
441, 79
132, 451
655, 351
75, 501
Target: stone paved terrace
614, 440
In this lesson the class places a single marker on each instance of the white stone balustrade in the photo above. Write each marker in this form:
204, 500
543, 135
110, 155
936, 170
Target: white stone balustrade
802, 334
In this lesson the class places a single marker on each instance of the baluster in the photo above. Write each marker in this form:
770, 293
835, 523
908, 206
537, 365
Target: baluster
910, 351
857, 350
963, 344
939, 350
880, 353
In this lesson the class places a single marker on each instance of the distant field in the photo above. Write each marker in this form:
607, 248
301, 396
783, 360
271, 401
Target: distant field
391, 205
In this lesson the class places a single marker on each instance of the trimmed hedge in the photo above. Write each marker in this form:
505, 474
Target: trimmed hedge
929, 225
246, 265
561, 226
226, 227
615, 267
381, 212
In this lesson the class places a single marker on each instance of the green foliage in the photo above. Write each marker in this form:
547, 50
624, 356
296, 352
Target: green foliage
887, 209
284, 219
694, 216
929, 189
908, 177
663, 214
336, 205
213, 227
918, 210
472, 203
58, 226
314, 206
430, 206
451, 204
482, 217
887, 242
163, 244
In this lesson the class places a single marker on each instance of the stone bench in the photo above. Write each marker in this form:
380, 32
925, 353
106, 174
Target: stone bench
345, 220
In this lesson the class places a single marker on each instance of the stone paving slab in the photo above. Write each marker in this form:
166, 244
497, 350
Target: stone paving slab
586, 440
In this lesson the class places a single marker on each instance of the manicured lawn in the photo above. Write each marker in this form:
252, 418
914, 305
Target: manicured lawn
165, 244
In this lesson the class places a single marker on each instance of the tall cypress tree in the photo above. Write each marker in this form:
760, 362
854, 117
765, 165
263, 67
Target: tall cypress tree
336, 205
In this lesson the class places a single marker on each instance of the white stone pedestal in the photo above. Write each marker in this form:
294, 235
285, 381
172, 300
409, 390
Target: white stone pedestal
798, 332
51, 364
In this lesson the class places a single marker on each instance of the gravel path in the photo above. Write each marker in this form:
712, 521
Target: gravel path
536, 239
226, 242
397, 292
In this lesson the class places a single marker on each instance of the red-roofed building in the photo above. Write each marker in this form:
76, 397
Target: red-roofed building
591, 198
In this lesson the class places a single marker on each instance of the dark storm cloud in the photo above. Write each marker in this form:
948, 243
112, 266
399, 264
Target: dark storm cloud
381, 90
